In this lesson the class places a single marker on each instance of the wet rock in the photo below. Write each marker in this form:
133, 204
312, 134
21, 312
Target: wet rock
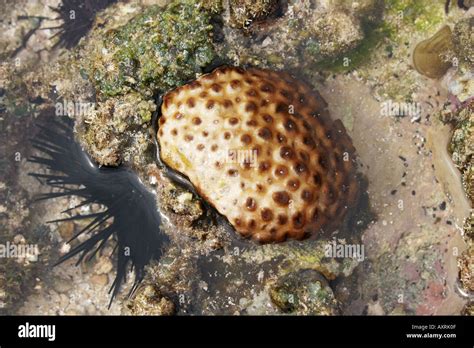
99, 280
305, 292
244, 12
110, 129
335, 32
62, 285
466, 269
302, 34
103, 266
149, 301
462, 146
66, 230
464, 41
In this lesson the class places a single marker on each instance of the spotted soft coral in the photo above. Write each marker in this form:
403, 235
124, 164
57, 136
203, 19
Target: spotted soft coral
261, 148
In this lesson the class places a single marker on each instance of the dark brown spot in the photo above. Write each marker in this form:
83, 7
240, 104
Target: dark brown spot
200, 147
307, 196
265, 133
281, 138
286, 153
227, 135
196, 121
281, 171
191, 102
282, 219
308, 141
227, 103
266, 214
317, 179
322, 161
259, 187
281, 198
251, 107
203, 95
174, 131
290, 126
286, 94
252, 224
234, 84
250, 204
246, 139
216, 87
210, 104
232, 172
251, 92
267, 118
264, 166
298, 220
252, 123
304, 156
267, 87
188, 137
300, 168
282, 108
162, 120
205, 133
178, 115
238, 222
214, 147
293, 184
233, 121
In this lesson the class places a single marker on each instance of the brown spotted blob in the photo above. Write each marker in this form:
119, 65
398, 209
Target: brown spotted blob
303, 176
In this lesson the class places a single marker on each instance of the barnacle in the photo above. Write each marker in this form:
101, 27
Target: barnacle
261, 148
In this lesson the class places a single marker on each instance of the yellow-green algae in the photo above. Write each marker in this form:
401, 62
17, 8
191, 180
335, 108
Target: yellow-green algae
155, 52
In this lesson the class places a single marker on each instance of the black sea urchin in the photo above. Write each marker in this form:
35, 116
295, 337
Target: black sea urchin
130, 210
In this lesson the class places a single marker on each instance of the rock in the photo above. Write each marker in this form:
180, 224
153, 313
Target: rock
103, 266
99, 280
149, 301
336, 33
463, 39
62, 285
19, 239
304, 292
66, 230
63, 301
466, 269
244, 12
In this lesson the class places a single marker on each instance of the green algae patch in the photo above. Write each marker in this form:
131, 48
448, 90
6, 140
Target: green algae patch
421, 15
155, 52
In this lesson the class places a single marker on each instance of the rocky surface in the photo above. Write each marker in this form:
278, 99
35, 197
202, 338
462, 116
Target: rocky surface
410, 221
